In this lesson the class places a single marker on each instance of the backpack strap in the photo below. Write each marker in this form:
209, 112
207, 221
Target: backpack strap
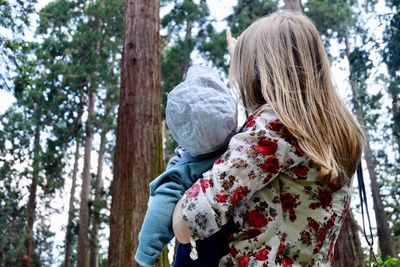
364, 203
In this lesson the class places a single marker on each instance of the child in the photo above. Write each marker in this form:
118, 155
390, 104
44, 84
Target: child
285, 179
202, 117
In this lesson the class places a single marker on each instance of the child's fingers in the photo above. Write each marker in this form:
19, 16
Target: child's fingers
228, 34
230, 41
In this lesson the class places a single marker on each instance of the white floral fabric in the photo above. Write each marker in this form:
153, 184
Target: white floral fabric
283, 215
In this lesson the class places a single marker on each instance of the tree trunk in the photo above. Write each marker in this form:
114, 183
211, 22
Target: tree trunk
94, 253
394, 93
29, 246
188, 38
348, 252
293, 5
386, 243
138, 154
83, 239
69, 233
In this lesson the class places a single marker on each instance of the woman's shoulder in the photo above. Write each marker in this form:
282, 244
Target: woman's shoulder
264, 122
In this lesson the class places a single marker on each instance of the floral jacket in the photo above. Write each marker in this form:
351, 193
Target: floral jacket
283, 215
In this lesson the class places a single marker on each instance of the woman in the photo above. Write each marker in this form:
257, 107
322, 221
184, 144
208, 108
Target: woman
286, 178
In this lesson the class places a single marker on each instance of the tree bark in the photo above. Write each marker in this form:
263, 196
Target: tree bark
293, 5
94, 253
386, 243
348, 252
188, 38
69, 233
83, 238
395, 109
138, 154
29, 245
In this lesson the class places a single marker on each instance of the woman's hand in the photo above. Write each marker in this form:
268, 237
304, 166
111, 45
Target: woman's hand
181, 231
231, 42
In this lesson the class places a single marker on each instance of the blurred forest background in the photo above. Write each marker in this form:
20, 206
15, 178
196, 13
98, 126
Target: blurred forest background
62, 64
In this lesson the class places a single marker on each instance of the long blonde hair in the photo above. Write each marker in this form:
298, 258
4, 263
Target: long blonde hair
280, 60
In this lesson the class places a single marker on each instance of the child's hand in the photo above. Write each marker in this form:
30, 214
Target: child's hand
181, 231
231, 41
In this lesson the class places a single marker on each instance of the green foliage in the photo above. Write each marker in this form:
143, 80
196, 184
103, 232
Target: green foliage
15, 18
392, 38
333, 18
388, 262
80, 44
12, 218
213, 43
185, 17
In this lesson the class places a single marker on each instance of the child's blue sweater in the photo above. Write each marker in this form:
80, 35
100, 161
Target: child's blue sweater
166, 190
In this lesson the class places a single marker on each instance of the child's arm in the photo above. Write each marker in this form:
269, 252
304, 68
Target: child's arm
156, 229
166, 190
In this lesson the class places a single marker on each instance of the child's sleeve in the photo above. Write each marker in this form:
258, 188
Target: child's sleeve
156, 230
254, 158
166, 190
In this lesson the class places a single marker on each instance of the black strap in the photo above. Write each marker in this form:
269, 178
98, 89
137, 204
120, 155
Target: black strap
363, 200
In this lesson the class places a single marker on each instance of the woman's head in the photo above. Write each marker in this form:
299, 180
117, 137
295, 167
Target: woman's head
280, 60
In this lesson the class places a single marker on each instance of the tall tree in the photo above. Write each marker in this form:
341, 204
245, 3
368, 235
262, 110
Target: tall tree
391, 57
359, 69
138, 154
36, 109
83, 237
71, 208
84, 39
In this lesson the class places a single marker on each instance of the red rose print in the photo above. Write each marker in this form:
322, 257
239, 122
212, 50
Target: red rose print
301, 171
219, 160
233, 251
257, 219
193, 191
221, 198
313, 224
298, 151
322, 235
251, 120
287, 262
250, 123
266, 147
243, 261
275, 126
262, 255
334, 187
292, 216
205, 184
325, 198
240, 193
288, 202
236, 198
331, 222
289, 137
281, 248
270, 165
